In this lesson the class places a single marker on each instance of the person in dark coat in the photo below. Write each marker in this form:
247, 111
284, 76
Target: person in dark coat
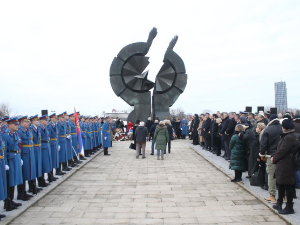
217, 137
285, 167
297, 130
170, 131
195, 132
223, 135
248, 137
152, 130
211, 132
237, 158
149, 124
268, 146
206, 128
137, 122
141, 133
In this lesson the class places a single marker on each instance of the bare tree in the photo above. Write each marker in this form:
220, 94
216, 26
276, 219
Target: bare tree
206, 111
5, 109
177, 112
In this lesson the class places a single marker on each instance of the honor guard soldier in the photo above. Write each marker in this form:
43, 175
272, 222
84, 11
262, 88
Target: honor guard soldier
94, 133
69, 141
106, 132
88, 146
62, 145
28, 158
3, 184
53, 131
12, 142
184, 127
4, 124
34, 127
46, 150
83, 134
74, 138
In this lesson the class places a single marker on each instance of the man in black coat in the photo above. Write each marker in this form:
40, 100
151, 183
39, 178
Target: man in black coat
206, 128
152, 130
195, 131
149, 124
223, 135
170, 131
211, 131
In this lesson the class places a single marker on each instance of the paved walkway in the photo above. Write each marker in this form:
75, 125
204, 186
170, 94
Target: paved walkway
119, 189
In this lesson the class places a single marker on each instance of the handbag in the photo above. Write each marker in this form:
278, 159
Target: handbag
258, 176
132, 146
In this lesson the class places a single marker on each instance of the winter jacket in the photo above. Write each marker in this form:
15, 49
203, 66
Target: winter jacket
285, 168
237, 158
170, 131
224, 125
270, 138
141, 133
231, 127
161, 137
152, 129
149, 124
297, 125
247, 137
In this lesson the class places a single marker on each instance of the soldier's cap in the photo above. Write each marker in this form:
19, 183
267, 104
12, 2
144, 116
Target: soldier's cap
13, 120
72, 114
81, 116
62, 114
44, 117
78, 112
5, 118
65, 113
102, 117
24, 118
106, 117
35, 117
242, 112
53, 115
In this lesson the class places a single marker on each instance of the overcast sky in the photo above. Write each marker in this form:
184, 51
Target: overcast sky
56, 54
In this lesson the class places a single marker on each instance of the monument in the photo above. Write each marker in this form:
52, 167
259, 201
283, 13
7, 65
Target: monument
129, 79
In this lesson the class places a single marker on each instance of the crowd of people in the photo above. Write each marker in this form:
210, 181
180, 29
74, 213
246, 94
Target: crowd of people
251, 142
38, 147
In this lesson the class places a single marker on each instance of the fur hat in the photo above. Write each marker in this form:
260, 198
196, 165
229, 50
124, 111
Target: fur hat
288, 124
272, 117
162, 123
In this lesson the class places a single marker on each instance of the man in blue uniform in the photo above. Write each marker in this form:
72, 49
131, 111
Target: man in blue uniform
62, 145
106, 135
13, 161
184, 128
3, 184
46, 149
4, 124
27, 154
88, 141
37, 153
69, 141
74, 139
52, 128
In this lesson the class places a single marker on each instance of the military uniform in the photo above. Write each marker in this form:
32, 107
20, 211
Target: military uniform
184, 128
4, 127
62, 145
13, 160
74, 140
27, 154
3, 184
106, 135
88, 139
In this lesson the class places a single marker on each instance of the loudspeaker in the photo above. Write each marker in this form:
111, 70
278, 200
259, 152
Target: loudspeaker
44, 112
273, 111
260, 108
248, 109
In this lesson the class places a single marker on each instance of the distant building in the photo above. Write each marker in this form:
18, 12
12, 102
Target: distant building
281, 96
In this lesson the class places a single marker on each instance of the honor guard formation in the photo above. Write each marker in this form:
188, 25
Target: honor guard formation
35, 146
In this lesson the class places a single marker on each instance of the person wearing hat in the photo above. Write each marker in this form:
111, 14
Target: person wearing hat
53, 131
36, 134
13, 162
88, 141
269, 142
62, 145
69, 149
74, 138
4, 124
94, 135
106, 136
46, 151
3, 184
285, 167
28, 158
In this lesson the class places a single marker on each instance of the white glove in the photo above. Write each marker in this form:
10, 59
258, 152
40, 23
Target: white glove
21, 162
68, 136
6, 167
105, 138
58, 148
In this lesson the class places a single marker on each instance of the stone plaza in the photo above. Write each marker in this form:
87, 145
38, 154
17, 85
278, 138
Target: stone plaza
119, 189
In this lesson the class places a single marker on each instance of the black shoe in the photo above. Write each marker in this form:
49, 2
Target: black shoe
294, 196
87, 155
16, 204
233, 180
66, 169
43, 185
107, 155
278, 206
140, 153
60, 173
82, 159
54, 178
288, 209
144, 157
39, 189
152, 154
2, 216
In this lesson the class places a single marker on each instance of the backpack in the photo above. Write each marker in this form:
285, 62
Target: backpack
296, 158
